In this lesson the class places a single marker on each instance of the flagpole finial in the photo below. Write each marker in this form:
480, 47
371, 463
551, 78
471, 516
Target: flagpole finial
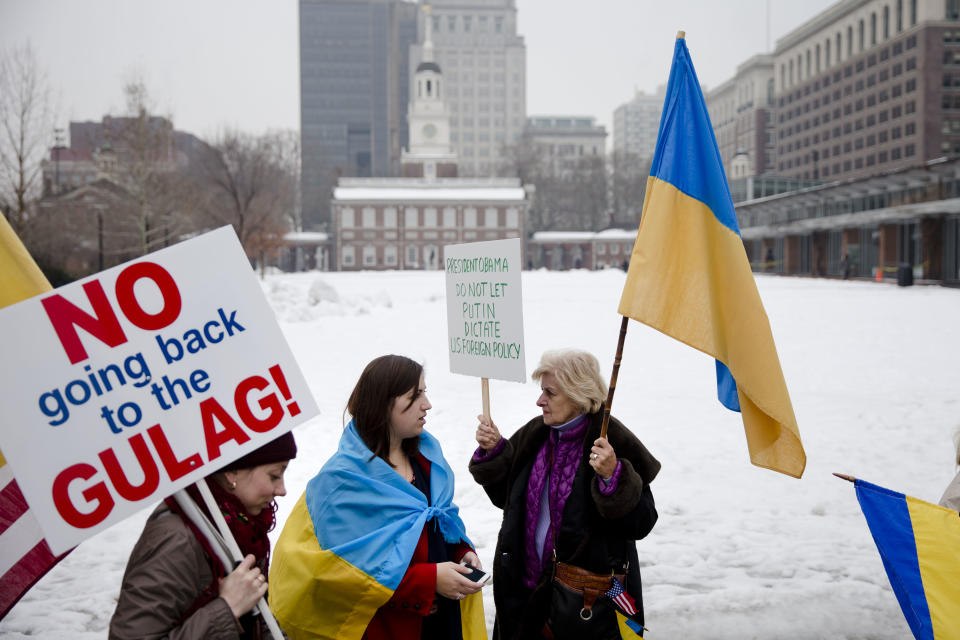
681, 35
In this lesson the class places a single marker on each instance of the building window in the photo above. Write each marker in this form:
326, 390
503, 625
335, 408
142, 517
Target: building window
490, 217
513, 218
390, 255
410, 218
346, 218
347, 257
369, 256
860, 33
369, 215
886, 21
899, 16
390, 217
412, 255
470, 217
449, 217
430, 217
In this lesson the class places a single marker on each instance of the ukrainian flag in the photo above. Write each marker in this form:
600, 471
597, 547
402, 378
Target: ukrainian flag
689, 276
350, 538
919, 544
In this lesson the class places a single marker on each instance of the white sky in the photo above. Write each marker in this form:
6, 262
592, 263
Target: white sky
215, 63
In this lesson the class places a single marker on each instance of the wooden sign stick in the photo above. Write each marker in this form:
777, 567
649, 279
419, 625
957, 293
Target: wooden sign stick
485, 392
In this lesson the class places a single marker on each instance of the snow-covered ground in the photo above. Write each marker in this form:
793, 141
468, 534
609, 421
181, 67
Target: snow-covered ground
739, 552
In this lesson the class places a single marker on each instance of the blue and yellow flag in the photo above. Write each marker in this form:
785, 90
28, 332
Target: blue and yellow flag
919, 544
689, 276
347, 544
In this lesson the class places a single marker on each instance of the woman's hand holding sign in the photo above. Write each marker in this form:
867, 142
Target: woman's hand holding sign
488, 436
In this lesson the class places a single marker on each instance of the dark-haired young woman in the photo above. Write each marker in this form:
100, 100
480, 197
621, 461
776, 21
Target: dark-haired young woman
374, 547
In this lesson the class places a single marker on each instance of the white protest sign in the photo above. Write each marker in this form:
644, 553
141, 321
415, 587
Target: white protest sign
485, 309
119, 389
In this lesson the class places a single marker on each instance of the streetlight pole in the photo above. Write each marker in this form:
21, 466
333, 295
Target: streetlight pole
57, 146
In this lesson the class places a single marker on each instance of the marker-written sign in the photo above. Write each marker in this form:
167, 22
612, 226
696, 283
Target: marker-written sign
485, 309
122, 388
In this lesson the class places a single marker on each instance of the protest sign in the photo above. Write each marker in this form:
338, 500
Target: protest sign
485, 309
126, 386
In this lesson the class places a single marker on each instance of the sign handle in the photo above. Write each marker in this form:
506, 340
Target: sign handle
485, 392
231, 544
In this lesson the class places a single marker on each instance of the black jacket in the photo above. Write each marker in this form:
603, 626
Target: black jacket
598, 532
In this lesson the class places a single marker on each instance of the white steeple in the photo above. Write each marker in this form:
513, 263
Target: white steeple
427, 114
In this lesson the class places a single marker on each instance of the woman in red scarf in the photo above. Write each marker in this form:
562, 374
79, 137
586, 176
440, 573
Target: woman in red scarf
174, 585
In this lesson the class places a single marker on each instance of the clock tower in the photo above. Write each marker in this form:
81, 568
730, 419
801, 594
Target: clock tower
430, 154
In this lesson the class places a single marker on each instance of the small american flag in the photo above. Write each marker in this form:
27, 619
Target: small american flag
621, 598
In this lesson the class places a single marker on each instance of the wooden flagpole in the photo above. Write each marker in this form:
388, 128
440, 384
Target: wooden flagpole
844, 476
613, 377
231, 544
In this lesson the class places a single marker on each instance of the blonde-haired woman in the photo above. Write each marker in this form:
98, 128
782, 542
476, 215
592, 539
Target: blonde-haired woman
573, 504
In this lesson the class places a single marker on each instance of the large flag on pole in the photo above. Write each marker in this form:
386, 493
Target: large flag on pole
919, 544
24, 554
689, 276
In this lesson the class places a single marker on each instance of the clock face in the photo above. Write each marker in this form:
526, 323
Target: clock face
429, 130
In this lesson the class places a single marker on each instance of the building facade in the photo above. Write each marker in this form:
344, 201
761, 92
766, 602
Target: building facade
562, 250
354, 90
743, 117
868, 86
484, 61
636, 124
902, 221
404, 223
564, 142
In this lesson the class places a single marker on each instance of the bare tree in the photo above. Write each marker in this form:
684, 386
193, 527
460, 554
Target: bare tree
251, 184
26, 127
628, 185
144, 163
570, 194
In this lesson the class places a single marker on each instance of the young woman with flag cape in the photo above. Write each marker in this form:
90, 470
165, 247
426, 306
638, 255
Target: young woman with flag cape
373, 547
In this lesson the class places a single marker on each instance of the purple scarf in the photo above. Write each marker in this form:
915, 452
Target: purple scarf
566, 449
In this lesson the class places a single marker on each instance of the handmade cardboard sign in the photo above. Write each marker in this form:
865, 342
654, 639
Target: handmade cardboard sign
485, 309
119, 389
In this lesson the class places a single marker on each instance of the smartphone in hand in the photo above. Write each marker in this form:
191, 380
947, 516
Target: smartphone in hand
476, 575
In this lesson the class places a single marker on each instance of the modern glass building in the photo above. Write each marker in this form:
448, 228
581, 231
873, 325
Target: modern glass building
354, 90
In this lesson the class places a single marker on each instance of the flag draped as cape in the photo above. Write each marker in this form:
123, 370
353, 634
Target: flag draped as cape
350, 538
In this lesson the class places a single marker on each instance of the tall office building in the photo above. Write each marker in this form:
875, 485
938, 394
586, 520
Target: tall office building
742, 113
354, 90
635, 124
868, 86
484, 64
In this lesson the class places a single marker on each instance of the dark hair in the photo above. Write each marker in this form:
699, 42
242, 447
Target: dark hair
383, 380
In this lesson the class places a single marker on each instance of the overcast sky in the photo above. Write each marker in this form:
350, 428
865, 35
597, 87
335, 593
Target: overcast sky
215, 63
